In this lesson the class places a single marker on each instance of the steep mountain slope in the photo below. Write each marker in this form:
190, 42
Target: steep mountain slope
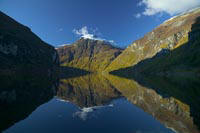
20, 49
183, 61
166, 37
88, 54
23, 55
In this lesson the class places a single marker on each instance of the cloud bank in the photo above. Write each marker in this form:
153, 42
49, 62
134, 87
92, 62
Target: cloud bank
170, 7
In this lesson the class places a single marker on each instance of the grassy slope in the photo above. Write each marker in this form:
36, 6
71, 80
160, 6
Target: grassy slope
183, 61
173, 32
89, 55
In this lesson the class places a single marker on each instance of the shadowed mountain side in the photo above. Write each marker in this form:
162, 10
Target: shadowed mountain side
179, 112
87, 91
28, 71
20, 98
71, 72
21, 50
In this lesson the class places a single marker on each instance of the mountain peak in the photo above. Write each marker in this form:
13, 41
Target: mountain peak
170, 35
88, 54
184, 14
88, 41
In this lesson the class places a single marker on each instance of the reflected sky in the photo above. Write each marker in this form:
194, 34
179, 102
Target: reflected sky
106, 103
119, 116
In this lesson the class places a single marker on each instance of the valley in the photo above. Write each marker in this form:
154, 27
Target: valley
93, 85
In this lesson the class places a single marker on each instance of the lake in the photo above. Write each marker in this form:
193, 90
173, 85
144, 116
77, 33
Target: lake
101, 104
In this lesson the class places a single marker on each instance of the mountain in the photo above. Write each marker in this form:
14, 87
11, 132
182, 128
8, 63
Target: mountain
88, 54
168, 37
27, 71
22, 52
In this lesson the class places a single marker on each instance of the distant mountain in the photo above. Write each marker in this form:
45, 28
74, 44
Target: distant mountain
170, 36
88, 54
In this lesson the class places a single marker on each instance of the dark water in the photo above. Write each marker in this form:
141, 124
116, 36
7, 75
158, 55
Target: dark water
119, 116
97, 104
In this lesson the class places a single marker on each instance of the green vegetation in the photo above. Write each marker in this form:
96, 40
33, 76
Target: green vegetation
170, 35
182, 61
126, 58
90, 55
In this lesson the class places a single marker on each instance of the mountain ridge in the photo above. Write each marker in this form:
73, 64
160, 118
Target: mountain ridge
168, 36
88, 54
23, 54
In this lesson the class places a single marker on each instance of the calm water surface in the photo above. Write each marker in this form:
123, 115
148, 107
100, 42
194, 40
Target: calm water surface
98, 104
119, 116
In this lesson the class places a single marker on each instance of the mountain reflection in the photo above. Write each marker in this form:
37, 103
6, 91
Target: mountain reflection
19, 98
171, 103
91, 92
87, 91
175, 104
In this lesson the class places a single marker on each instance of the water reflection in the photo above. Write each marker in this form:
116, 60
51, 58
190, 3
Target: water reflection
164, 102
19, 98
87, 91
106, 103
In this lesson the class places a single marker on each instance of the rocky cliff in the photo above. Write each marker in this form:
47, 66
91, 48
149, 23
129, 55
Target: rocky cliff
21, 51
88, 54
167, 37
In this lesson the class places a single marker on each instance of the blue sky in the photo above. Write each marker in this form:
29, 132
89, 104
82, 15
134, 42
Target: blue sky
63, 21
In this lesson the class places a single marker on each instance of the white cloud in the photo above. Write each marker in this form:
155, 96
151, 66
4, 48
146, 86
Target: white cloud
84, 33
138, 15
171, 7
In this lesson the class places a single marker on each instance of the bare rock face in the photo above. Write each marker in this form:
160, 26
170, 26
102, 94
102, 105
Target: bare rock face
22, 50
170, 35
88, 54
